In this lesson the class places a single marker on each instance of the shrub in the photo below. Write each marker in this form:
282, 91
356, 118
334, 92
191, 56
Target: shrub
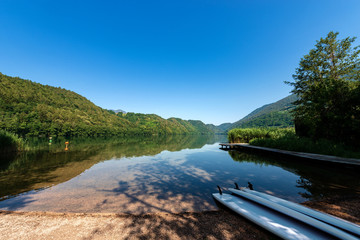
10, 142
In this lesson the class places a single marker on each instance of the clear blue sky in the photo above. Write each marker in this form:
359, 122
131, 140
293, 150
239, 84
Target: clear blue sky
212, 60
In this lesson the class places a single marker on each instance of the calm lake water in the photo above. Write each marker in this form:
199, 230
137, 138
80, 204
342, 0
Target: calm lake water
154, 174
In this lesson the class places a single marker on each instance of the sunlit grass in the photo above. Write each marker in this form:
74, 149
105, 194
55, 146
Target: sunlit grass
286, 139
292, 142
245, 135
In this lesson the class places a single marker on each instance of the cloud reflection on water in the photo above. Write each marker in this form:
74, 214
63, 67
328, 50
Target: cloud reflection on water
168, 182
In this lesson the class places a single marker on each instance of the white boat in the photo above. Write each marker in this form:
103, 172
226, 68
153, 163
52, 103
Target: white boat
279, 224
305, 219
335, 221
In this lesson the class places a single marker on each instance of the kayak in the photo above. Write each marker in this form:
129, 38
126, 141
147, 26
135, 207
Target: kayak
305, 219
277, 223
335, 221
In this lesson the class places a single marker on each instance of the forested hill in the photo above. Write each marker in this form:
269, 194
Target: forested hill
220, 129
270, 115
33, 109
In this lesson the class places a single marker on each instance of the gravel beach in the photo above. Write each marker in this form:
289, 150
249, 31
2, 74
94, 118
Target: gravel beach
221, 224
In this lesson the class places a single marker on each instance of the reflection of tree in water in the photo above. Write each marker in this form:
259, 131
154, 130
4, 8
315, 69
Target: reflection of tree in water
317, 178
152, 144
247, 157
40, 168
163, 186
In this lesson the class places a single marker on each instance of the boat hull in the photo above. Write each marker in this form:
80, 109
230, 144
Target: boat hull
277, 223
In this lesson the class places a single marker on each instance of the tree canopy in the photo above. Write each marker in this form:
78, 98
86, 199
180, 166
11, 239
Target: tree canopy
327, 83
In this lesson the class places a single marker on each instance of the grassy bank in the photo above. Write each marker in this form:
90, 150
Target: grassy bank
10, 142
286, 139
245, 135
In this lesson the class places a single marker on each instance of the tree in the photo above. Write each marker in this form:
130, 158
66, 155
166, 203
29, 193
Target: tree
327, 83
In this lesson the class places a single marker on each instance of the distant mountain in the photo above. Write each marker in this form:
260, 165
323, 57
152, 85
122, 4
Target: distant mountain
220, 129
214, 128
223, 127
270, 115
32, 109
154, 124
117, 111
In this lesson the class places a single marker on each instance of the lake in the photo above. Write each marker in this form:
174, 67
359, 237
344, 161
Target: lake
154, 174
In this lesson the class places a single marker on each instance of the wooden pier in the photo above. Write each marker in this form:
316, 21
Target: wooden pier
284, 153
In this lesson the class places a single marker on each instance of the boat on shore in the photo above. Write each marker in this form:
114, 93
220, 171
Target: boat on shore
280, 219
327, 218
279, 224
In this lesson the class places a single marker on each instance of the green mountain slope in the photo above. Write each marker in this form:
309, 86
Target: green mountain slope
214, 128
33, 109
270, 115
220, 129
154, 124
280, 119
223, 127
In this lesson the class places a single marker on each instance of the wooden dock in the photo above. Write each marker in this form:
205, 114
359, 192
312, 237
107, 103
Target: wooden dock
284, 153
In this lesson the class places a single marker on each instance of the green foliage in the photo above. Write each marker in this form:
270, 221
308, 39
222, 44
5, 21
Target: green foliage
327, 83
10, 142
291, 142
111, 112
271, 115
245, 135
33, 109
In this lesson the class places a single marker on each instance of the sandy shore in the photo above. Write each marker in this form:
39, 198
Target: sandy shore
221, 224
206, 225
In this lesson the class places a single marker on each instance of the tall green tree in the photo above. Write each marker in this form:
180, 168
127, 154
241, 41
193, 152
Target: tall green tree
327, 83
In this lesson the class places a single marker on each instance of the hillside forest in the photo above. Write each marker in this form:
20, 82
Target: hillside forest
32, 109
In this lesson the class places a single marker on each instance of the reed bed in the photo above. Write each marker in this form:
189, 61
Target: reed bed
291, 142
10, 142
245, 135
286, 139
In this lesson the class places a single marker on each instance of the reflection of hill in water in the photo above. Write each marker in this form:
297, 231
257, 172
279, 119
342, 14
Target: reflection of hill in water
51, 165
318, 179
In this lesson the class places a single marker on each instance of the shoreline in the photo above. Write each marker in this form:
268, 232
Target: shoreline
307, 156
219, 224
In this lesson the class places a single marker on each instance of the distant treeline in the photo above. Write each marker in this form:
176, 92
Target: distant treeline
32, 109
